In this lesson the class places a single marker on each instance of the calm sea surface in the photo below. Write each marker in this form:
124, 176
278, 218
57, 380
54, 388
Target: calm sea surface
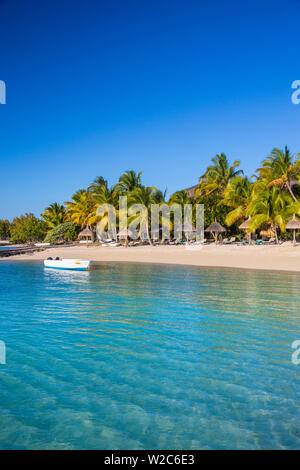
8, 247
148, 357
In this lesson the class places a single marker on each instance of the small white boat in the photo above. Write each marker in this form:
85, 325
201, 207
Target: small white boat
74, 264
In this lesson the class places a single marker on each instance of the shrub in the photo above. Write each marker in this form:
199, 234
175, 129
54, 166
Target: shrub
27, 228
63, 232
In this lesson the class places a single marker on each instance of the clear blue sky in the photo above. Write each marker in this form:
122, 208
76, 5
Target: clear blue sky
99, 87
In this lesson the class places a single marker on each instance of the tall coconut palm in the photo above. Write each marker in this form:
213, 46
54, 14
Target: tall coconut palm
268, 207
82, 209
217, 175
237, 196
54, 215
279, 168
181, 198
128, 181
105, 196
97, 185
163, 217
160, 196
145, 196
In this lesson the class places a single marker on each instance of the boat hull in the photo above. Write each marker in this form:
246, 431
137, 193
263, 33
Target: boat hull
68, 264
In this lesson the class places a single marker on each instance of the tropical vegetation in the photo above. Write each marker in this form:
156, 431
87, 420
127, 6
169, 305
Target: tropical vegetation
268, 200
4, 229
54, 215
27, 228
62, 233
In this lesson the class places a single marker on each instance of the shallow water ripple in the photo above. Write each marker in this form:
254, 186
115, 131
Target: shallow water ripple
148, 357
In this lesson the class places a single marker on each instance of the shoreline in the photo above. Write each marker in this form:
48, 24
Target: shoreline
269, 258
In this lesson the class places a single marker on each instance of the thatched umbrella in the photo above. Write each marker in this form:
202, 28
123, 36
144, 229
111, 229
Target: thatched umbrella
215, 229
294, 225
245, 226
87, 235
125, 233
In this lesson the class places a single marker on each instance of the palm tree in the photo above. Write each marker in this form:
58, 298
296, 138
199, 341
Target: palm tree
160, 196
82, 209
217, 175
237, 196
269, 205
181, 198
145, 196
54, 215
128, 181
97, 184
105, 196
279, 168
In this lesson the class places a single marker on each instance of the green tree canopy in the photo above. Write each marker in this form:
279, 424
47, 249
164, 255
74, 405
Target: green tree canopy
268, 206
145, 196
27, 228
63, 232
4, 229
237, 197
54, 215
82, 209
217, 175
279, 168
128, 181
97, 184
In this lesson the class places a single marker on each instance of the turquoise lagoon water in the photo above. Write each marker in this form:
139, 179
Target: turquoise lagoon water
8, 247
148, 357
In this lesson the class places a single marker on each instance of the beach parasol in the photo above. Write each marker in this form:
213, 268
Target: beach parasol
245, 226
215, 229
294, 225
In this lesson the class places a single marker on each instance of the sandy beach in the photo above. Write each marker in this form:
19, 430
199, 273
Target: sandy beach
283, 257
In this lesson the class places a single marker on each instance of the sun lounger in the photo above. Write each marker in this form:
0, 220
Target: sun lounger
230, 240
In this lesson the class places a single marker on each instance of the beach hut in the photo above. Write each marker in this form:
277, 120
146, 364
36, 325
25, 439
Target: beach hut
215, 229
294, 225
86, 235
245, 226
125, 233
